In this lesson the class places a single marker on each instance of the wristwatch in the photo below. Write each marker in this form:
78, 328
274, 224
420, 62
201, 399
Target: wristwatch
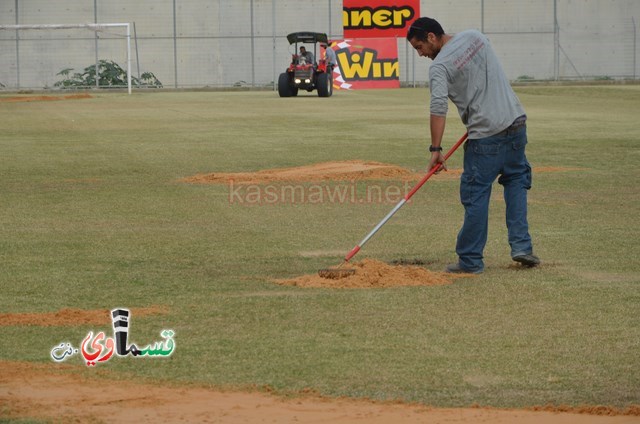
435, 149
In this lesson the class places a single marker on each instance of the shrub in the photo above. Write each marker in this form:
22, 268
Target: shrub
110, 74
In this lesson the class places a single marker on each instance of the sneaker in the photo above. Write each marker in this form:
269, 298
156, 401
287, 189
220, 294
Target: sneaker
457, 269
529, 261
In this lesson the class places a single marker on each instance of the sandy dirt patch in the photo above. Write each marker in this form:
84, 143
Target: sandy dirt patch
70, 317
15, 99
370, 273
69, 394
352, 170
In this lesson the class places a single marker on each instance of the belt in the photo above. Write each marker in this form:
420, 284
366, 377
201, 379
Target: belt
520, 121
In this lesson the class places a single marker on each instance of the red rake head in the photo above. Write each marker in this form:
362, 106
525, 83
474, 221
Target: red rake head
336, 273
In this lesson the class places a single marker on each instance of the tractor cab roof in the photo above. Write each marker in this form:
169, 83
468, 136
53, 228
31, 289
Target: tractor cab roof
307, 37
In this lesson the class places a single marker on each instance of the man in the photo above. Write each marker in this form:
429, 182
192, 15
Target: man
307, 56
330, 56
466, 70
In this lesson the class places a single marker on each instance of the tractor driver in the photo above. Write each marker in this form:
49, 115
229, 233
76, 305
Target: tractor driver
305, 55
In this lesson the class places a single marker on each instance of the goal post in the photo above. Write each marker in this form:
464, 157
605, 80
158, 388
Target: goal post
38, 57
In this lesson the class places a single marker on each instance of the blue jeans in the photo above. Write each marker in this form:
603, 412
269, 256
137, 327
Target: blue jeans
484, 160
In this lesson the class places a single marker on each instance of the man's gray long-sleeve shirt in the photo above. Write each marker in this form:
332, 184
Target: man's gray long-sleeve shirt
468, 72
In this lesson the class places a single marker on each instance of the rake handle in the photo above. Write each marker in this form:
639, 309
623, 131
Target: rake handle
401, 203
435, 168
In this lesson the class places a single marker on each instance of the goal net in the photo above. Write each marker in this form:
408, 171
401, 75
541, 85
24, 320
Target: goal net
61, 56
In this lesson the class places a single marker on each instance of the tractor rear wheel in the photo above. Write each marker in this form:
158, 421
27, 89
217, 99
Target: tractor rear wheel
325, 85
284, 86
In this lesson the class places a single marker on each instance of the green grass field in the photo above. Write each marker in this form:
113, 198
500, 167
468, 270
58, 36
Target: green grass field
93, 215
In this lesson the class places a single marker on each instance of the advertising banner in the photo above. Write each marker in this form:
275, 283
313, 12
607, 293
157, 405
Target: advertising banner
378, 18
366, 63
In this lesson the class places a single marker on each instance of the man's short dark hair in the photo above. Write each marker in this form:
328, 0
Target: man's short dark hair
423, 26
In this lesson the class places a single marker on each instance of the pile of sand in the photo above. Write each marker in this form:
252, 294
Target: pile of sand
370, 273
352, 170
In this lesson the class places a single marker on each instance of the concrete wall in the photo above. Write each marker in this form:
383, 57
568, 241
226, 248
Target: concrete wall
198, 43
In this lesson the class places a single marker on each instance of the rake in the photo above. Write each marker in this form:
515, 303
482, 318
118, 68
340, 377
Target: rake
340, 272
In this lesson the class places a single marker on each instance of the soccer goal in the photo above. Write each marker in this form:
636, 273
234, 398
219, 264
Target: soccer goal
65, 56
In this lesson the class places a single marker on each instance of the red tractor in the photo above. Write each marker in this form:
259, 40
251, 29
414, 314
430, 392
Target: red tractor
305, 72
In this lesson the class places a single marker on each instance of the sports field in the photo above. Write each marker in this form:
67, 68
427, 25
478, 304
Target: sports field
99, 210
